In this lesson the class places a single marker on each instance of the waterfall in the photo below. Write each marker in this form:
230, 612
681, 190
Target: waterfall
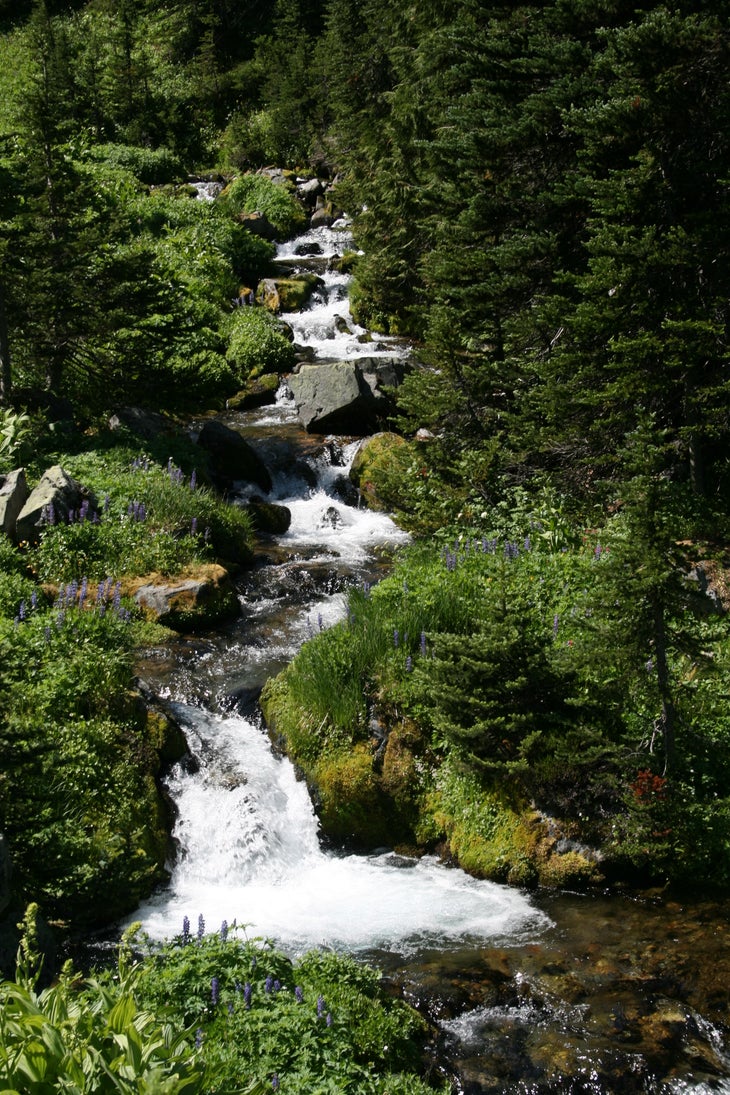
249, 851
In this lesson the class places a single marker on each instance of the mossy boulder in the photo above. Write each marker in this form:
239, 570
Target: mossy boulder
376, 459
199, 598
352, 806
287, 294
259, 392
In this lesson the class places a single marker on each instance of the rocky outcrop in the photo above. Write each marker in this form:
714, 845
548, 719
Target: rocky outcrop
258, 224
13, 496
232, 457
202, 598
344, 396
56, 498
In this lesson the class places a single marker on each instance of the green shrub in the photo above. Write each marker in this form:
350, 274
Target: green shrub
88, 1036
150, 165
318, 1025
256, 344
259, 193
85, 823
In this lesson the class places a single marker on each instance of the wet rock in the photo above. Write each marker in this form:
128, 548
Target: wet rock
260, 392
13, 496
287, 294
232, 457
308, 249
330, 518
344, 489
339, 397
374, 458
308, 192
269, 517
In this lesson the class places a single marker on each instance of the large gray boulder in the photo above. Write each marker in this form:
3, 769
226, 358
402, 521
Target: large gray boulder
232, 457
344, 396
55, 498
13, 496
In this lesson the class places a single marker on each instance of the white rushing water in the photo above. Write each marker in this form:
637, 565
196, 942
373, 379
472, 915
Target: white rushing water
250, 852
325, 325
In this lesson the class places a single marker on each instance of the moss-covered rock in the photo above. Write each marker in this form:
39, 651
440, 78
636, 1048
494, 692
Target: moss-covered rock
287, 294
373, 461
200, 597
258, 392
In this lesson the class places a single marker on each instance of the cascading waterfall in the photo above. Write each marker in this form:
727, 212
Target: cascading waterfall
249, 851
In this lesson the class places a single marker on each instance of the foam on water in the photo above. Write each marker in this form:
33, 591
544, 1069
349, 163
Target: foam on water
249, 851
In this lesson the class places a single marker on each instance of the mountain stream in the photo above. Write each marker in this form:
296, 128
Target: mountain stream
529, 993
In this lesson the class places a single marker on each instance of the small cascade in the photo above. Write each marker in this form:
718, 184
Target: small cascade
325, 328
249, 851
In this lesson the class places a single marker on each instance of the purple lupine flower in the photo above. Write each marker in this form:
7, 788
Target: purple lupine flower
47, 633
328, 1019
194, 526
198, 1037
247, 995
201, 928
224, 931
107, 503
277, 986
214, 991
117, 595
556, 624
21, 610
51, 514
60, 620
597, 551
320, 1006
268, 984
16, 621
84, 510
298, 994
423, 644
527, 543
193, 479
275, 1082
34, 600
186, 930
396, 637
649, 665
83, 591
409, 664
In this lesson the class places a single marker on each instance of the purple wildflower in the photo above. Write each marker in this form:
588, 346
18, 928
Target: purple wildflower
214, 991
186, 930
201, 928
21, 610
298, 994
194, 526
320, 1006
423, 644
396, 637
328, 1019
34, 600
409, 664
556, 624
193, 479
275, 1082
224, 931
247, 995
269, 984
198, 1037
